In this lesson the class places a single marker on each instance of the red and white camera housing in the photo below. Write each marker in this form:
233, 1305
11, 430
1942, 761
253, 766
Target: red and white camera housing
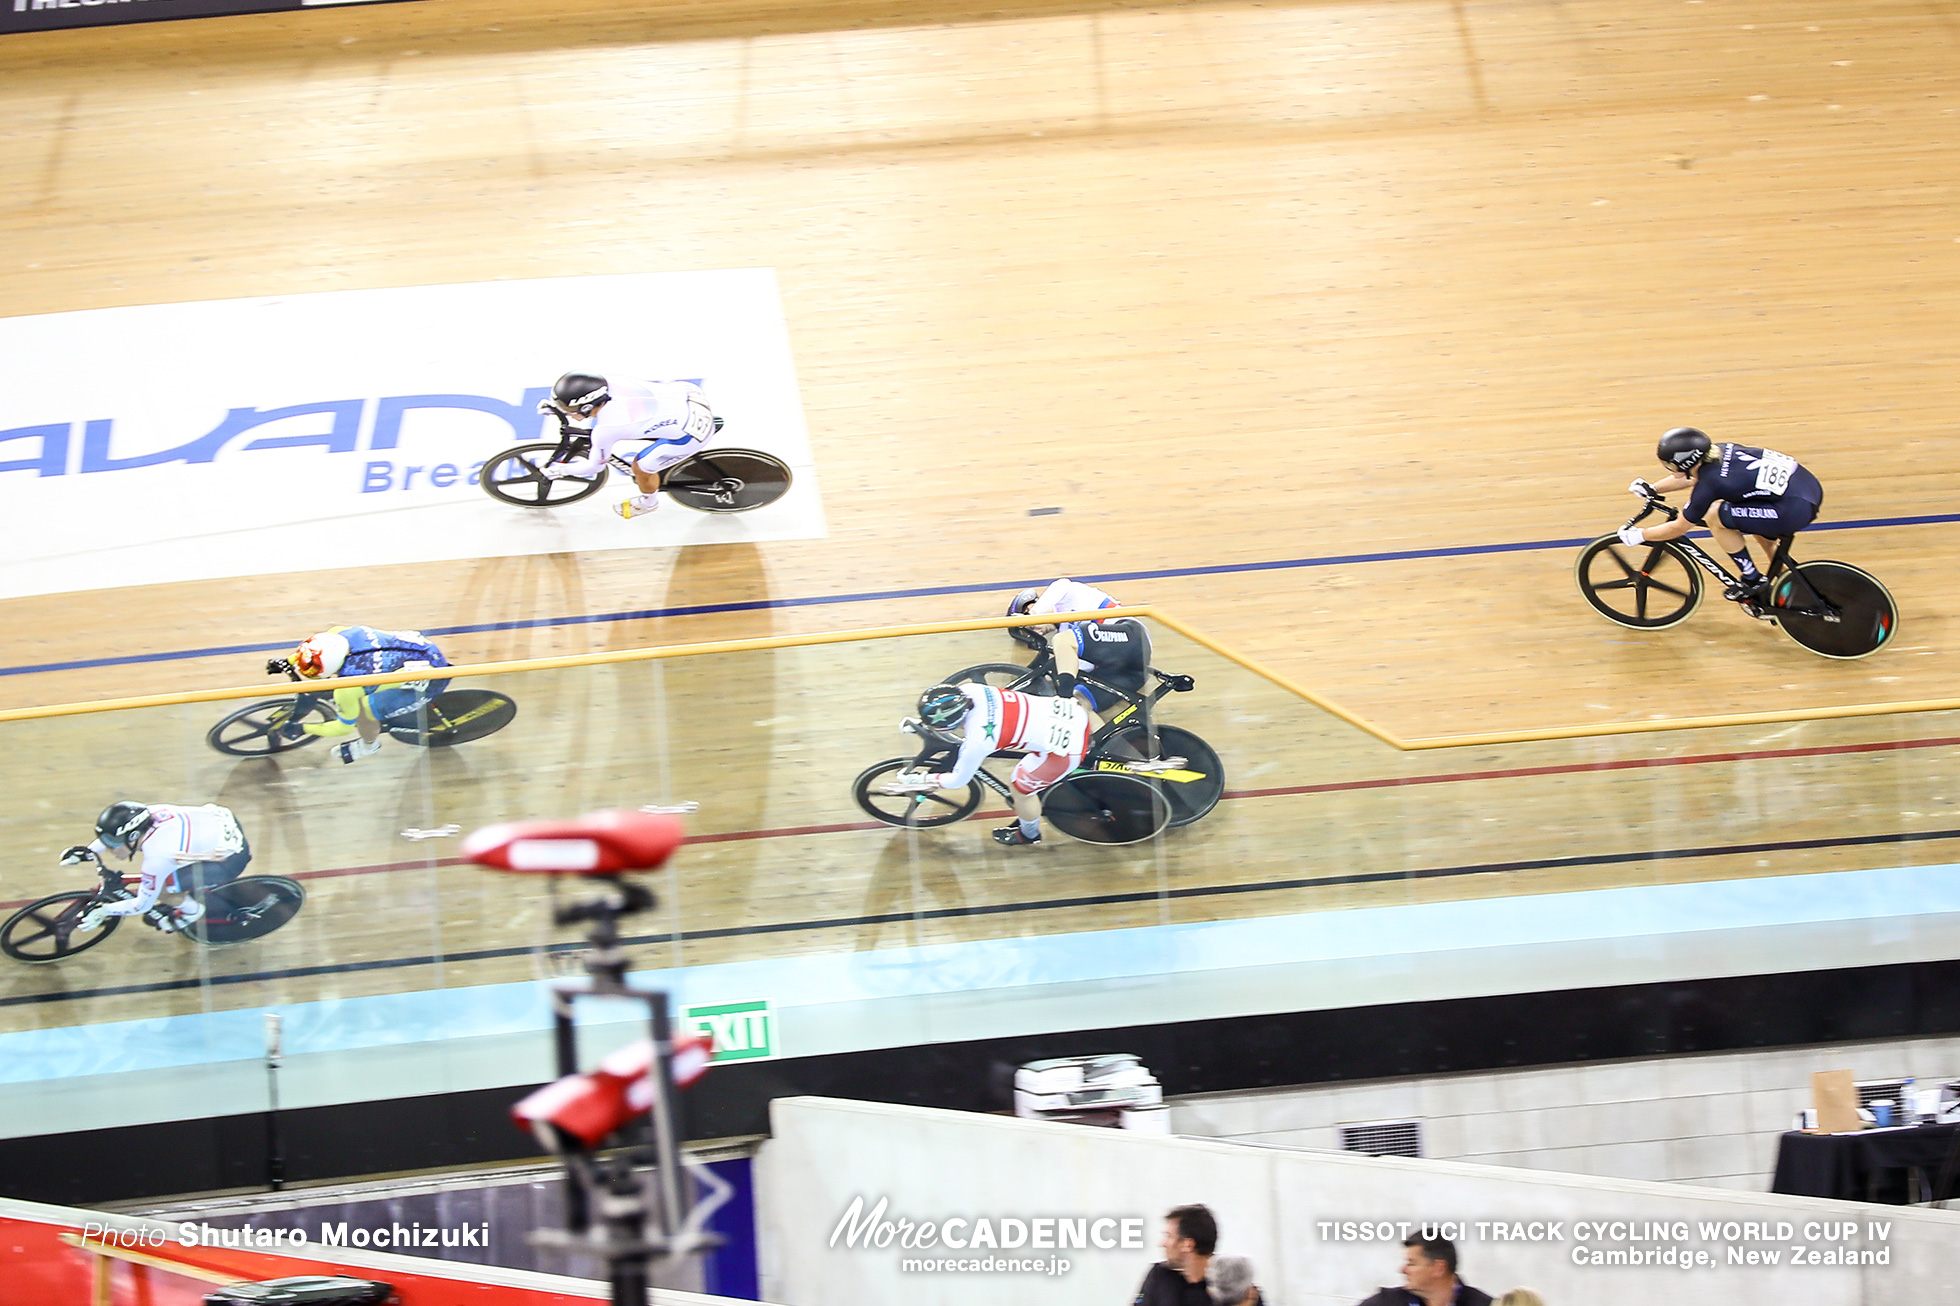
590, 1105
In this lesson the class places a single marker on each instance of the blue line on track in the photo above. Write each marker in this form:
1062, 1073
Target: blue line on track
988, 587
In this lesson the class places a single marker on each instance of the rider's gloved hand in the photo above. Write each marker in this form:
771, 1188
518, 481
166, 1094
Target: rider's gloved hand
76, 855
291, 730
92, 919
1632, 535
1641, 488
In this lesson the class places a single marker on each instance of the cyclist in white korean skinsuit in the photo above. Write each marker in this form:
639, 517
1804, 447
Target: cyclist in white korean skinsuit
673, 414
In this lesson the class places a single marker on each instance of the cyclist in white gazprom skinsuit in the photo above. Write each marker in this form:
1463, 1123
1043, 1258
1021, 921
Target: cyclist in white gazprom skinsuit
673, 414
171, 840
1054, 731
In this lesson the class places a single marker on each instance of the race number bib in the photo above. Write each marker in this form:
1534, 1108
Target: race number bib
1061, 732
700, 422
1773, 473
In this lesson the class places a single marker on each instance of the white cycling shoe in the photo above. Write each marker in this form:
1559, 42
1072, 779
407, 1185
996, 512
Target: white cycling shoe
638, 506
354, 750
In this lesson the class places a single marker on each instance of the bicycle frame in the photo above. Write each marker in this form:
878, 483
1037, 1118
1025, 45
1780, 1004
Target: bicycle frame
114, 886
1779, 561
1133, 703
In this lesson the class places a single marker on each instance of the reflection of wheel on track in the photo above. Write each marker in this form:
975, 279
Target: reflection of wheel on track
726, 480
1192, 789
44, 930
516, 476
914, 811
1650, 587
1105, 807
249, 907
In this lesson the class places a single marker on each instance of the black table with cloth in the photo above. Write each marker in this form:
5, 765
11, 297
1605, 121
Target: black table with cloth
1868, 1166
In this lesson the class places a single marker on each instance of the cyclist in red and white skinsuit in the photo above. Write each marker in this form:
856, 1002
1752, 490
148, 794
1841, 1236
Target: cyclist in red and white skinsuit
1054, 731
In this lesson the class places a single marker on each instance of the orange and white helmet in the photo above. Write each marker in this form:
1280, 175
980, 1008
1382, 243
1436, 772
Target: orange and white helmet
321, 655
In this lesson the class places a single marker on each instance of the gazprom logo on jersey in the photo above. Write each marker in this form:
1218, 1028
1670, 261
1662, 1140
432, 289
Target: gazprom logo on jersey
335, 426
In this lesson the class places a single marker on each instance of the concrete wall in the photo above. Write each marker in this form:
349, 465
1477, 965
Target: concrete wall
1711, 1120
932, 1166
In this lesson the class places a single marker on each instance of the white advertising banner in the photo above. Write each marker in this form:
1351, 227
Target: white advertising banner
172, 442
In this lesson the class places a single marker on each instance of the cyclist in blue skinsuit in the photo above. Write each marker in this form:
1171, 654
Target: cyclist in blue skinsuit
360, 709
1754, 492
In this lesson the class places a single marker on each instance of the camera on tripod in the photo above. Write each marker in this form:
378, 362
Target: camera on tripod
643, 1185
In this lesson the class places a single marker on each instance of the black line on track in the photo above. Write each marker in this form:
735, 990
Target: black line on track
1001, 909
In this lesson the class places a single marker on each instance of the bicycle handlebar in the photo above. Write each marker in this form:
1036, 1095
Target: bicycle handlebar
1655, 502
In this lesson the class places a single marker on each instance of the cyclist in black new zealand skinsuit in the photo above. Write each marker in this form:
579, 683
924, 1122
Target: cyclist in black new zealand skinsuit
1754, 492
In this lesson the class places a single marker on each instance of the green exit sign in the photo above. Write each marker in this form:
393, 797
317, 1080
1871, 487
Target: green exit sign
742, 1031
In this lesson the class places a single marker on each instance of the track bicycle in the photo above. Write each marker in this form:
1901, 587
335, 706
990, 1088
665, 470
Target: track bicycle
713, 480
272, 725
1112, 806
1831, 608
1128, 735
236, 911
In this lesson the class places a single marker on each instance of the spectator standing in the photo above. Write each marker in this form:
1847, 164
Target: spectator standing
1230, 1281
1190, 1237
1429, 1278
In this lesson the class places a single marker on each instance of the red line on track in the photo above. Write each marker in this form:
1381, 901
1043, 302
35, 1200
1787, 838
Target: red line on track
1631, 764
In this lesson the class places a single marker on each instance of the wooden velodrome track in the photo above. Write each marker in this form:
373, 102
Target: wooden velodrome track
1227, 285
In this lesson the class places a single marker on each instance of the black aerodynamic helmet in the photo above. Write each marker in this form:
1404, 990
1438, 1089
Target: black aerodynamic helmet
123, 825
579, 392
1684, 448
1019, 608
943, 706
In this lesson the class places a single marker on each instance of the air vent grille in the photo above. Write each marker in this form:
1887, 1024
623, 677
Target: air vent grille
1383, 1137
1880, 1090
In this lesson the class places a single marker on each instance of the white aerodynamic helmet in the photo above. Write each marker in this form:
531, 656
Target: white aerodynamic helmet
321, 655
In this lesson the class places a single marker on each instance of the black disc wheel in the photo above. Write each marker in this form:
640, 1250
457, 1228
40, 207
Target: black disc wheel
1650, 587
727, 480
456, 717
914, 811
1003, 675
1106, 807
44, 930
1192, 788
248, 908
1833, 608
261, 729
516, 476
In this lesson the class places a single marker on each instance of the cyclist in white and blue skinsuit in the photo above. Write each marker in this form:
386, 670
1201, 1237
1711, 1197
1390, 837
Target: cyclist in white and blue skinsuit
365, 651
184, 849
1117, 651
673, 414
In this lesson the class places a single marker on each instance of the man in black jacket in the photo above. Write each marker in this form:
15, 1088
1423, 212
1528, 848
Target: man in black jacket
1190, 1237
1429, 1278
